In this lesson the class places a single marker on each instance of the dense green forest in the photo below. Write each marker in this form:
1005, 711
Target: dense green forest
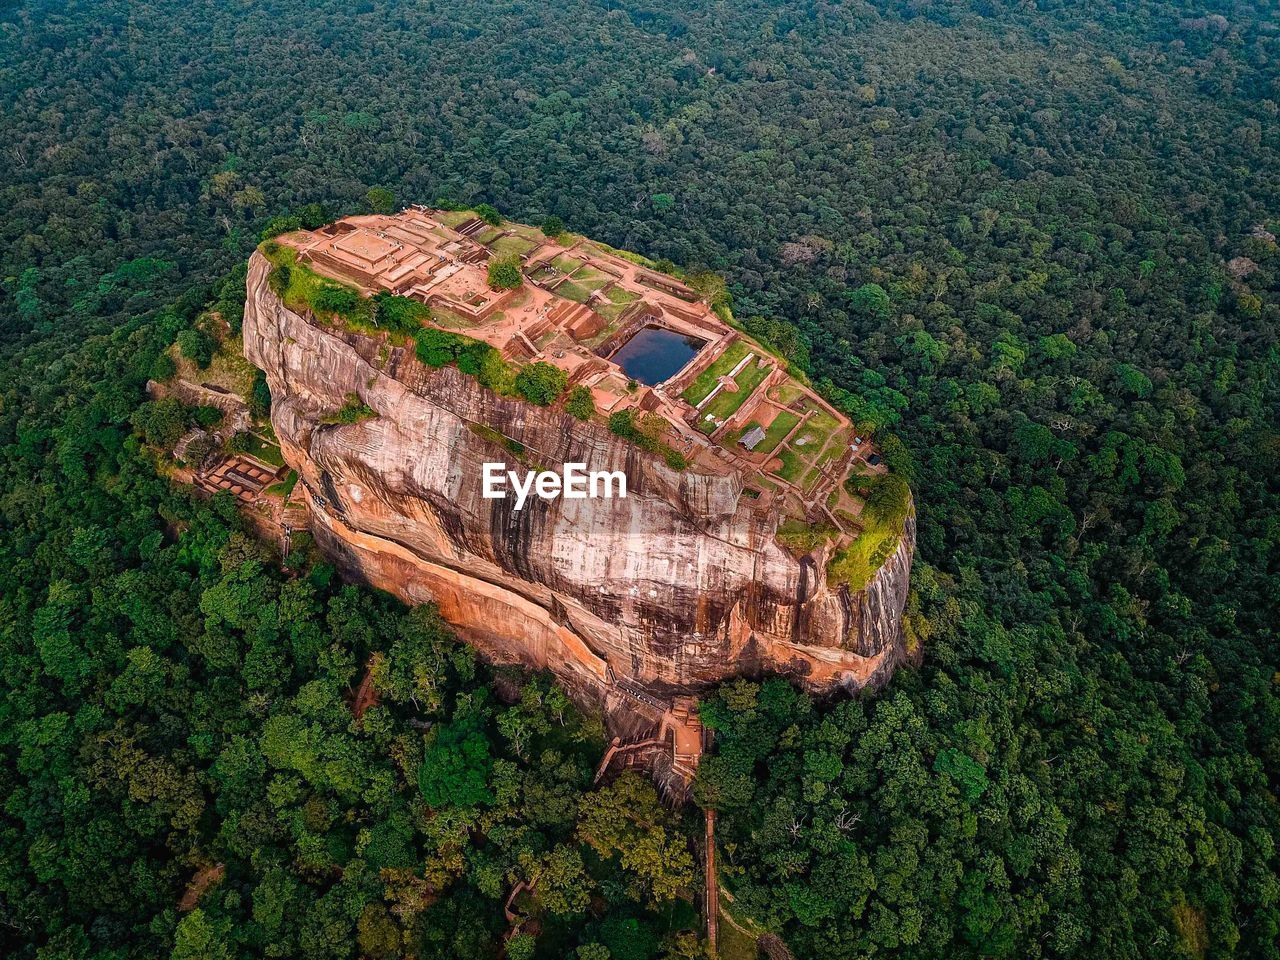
1033, 241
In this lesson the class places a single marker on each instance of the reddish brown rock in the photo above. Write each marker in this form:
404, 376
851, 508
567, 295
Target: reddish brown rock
680, 584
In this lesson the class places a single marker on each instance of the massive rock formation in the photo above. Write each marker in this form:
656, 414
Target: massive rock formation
679, 584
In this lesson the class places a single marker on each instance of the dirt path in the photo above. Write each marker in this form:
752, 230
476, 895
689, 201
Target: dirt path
205, 878
713, 892
366, 694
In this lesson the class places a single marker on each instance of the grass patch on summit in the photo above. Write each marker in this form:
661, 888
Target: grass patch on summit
727, 402
705, 382
776, 431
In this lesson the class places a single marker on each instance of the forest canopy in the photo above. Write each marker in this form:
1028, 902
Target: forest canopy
1031, 244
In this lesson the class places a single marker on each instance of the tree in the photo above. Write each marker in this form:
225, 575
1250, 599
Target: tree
206, 416
279, 224
553, 226
199, 938
627, 938
580, 403
626, 819
400, 314
381, 200
260, 397
685, 945
1057, 347
456, 766
377, 934
247, 199
200, 448
1133, 380
541, 382
783, 337
314, 215
964, 770
563, 885
521, 947
436, 347
161, 422
164, 368
488, 214
871, 299
197, 346
504, 273
643, 431
334, 299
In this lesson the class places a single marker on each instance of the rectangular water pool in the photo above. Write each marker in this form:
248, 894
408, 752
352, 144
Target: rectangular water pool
656, 354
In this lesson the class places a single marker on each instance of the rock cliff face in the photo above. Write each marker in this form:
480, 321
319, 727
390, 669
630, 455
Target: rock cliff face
679, 584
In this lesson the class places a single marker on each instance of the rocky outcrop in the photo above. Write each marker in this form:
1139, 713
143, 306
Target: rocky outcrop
679, 584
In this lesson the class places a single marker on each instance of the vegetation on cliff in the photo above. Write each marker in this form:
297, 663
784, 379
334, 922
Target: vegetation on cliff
303, 290
440, 348
1046, 197
580, 403
645, 431
541, 383
888, 502
353, 410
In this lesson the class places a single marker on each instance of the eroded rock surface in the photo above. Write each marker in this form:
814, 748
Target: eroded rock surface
679, 584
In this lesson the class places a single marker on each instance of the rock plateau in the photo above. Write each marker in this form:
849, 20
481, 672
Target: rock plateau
630, 602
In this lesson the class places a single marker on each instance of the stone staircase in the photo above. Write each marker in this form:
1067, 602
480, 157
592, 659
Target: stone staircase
469, 228
576, 319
